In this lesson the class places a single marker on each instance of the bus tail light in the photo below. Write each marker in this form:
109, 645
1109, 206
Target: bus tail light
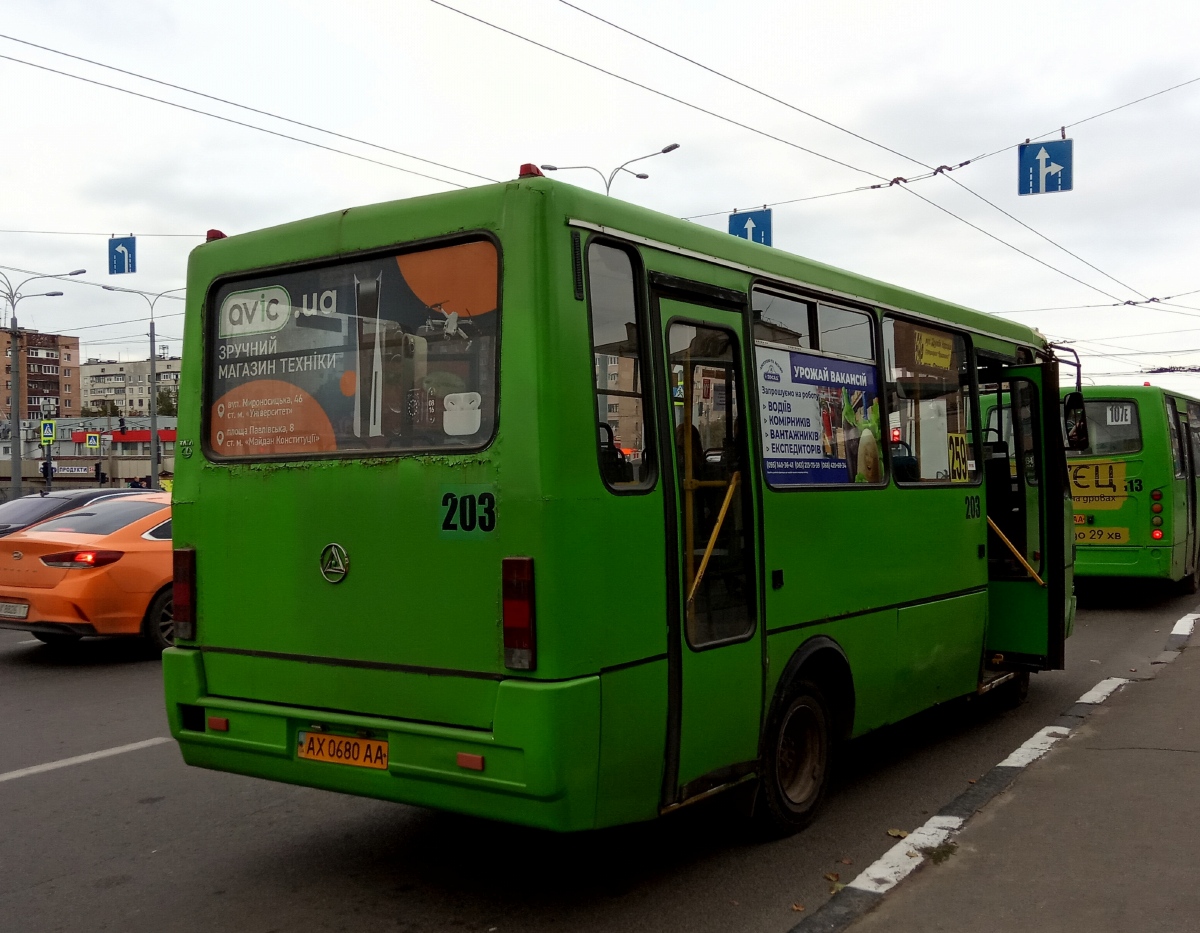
184, 593
1156, 534
520, 644
1156, 494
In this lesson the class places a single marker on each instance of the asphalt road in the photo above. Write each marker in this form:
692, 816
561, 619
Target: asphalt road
139, 841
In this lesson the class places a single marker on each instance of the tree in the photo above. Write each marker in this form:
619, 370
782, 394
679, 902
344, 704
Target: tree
167, 403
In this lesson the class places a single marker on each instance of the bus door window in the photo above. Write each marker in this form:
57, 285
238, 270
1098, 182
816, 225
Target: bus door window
1173, 428
626, 458
710, 460
929, 404
1026, 422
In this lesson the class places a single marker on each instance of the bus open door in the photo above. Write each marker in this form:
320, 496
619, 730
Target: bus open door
1031, 604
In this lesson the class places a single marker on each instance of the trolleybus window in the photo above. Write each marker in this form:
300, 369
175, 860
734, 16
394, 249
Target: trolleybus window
929, 404
820, 416
626, 458
391, 353
1113, 428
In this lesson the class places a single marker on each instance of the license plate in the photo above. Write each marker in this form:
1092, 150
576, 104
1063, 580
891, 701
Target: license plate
342, 750
1094, 535
14, 610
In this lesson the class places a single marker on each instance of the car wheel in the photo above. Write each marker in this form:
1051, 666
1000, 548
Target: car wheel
159, 627
57, 639
796, 761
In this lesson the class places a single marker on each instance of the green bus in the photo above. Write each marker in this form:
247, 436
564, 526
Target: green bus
527, 503
1135, 486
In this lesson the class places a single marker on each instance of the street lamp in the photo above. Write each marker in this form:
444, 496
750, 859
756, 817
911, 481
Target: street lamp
13, 294
151, 301
608, 179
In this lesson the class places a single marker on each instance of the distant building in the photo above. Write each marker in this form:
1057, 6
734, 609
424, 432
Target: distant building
126, 384
49, 373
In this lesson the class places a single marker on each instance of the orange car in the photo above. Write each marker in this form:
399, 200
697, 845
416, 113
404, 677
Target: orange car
104, 569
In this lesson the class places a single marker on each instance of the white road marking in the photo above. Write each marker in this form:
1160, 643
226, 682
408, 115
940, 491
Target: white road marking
1035, 747
30, 641
81, 759
896, 864
1103, 690
1185, 625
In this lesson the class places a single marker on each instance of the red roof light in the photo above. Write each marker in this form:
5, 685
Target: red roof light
529, 170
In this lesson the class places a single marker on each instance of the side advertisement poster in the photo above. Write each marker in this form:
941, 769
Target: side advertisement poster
820, 419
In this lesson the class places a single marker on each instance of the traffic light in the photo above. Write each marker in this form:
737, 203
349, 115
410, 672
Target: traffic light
46, 469
121, 422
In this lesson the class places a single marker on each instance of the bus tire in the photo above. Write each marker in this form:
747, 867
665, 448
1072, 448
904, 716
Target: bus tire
1191, 583
796, 761
1014, 692
158, 628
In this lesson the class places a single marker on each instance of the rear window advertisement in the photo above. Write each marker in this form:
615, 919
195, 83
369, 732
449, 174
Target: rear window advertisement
820, 419
394, 353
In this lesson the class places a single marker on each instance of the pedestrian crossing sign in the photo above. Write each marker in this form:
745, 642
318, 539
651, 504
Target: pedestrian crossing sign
47, 433
93, 441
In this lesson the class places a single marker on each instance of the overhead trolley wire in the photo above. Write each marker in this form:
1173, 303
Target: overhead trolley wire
241, 123
246, 107
758, 132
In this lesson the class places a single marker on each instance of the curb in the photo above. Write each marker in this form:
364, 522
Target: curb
866, 891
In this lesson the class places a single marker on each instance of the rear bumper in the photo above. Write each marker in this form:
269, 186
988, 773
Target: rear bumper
540, 755
1123, 562
88, 607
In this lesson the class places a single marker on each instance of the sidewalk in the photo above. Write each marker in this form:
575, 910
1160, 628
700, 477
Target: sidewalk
1101, 834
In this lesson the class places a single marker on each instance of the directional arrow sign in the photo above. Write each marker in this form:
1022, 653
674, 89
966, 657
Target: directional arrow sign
1044, 168
752, 225
122, 255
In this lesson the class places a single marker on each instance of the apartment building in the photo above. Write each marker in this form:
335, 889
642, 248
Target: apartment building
50, 374
126, 384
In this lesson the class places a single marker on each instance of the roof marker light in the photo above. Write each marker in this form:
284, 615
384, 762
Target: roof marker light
529, 170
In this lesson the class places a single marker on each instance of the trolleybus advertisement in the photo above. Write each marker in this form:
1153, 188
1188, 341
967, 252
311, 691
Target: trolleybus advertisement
820, 419
397, 352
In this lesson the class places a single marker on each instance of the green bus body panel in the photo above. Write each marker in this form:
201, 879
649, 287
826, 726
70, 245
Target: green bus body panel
416, 624
1166, 559
939, 645
633, 725
461, 701
1013, 602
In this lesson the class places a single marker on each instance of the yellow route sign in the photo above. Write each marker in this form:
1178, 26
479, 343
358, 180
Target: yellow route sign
1097, 486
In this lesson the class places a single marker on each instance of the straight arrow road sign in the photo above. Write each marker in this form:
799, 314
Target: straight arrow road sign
752, 225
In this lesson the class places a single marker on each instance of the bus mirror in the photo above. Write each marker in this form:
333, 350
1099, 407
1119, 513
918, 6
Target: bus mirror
1075, 419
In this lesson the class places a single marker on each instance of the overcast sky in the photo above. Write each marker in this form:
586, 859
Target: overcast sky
940, 82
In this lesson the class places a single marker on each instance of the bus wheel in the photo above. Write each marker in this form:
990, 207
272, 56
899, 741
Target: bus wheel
1013, 693
1191, 583
796, 764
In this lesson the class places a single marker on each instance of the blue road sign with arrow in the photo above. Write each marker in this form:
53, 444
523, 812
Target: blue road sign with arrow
1044, 168
122, 255
752, 225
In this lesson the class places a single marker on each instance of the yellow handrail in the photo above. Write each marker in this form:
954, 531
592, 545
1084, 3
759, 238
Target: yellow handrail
1015, 552
712, 539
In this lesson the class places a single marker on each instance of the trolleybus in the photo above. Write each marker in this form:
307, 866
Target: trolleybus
1135, 486
528, 503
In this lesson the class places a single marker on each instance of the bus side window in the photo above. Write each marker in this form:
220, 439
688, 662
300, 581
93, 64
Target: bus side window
929, 404
626, 458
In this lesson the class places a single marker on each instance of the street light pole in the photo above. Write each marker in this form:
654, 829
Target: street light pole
153, 380
12, 294
611, 176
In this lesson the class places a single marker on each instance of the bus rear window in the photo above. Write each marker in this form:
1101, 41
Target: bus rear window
1113, 428
391, 353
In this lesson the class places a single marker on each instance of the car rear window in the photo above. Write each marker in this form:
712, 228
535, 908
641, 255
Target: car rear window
29, 509
103, 518
390, 353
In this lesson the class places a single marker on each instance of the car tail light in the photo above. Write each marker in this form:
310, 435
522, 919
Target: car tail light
81, 559
520, 644
184, 593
